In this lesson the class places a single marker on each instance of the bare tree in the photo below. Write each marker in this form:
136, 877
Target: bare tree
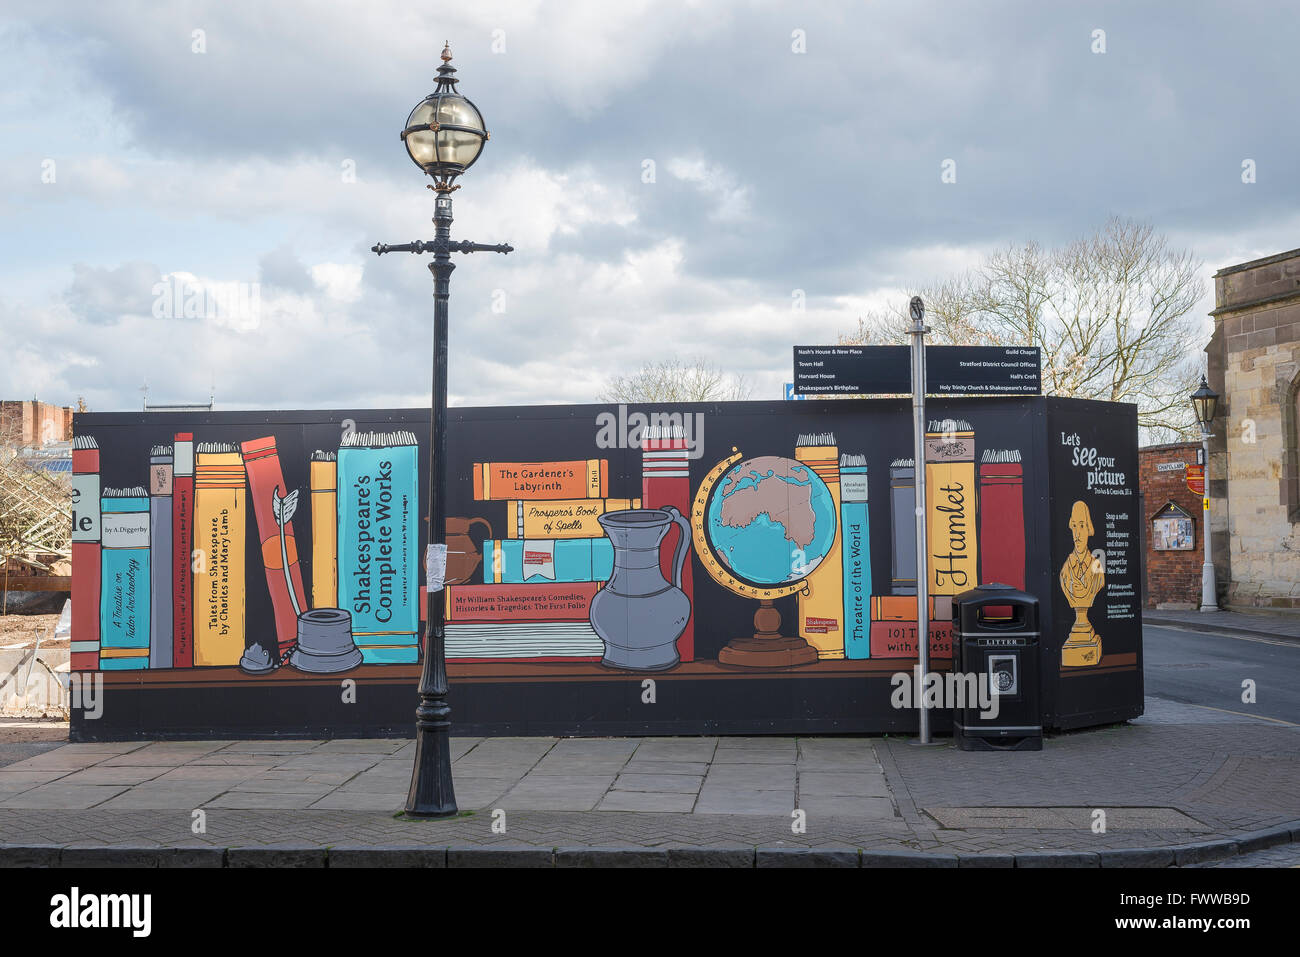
672, 380
1111, 313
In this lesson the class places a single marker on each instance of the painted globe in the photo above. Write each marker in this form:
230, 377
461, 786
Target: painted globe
771, 520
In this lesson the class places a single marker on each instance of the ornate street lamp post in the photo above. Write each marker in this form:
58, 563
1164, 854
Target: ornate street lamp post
1205, 402
444, 136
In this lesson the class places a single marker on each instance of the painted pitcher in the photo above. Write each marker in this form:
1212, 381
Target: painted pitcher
638, 614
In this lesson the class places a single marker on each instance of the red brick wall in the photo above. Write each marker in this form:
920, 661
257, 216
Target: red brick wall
1171, 576
27, 423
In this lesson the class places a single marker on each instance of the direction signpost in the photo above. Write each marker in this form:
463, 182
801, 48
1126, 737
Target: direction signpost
920, 370
918, 383
886, 370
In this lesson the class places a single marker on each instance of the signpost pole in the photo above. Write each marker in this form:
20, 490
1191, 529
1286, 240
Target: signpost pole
917, 331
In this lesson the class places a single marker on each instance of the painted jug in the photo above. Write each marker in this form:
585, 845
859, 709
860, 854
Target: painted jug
639, 614
462, 557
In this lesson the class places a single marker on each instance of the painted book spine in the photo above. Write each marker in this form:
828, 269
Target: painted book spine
562, 518
536, 481
182, 550
897, 639
903, 607
265, 483
324, 530
124, 604
821, 610
378, 543
160, 555
856, 539
512, 603
86, 558
902, 527
517, 561
950, 507
220, 514
1002, 518
666, 480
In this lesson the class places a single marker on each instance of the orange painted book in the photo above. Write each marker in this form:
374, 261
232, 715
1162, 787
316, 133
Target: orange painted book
541, 480
265, 486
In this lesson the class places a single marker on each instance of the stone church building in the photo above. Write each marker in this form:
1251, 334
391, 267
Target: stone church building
1254, 365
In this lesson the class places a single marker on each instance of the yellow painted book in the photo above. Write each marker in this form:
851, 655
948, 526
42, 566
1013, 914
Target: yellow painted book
950, 506
219, 516
324, 476
564, 518
821, 611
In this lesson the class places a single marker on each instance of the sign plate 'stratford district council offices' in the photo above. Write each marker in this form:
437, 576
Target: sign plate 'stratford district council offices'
949, 370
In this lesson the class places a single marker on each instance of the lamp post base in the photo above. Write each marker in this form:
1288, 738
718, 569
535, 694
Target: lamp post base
919, 742
1209, 601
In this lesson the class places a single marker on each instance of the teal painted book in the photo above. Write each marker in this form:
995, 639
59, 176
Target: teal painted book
516, 561
854, 524
124, 608
378, 544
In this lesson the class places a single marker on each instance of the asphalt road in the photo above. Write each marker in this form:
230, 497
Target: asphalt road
1208, 670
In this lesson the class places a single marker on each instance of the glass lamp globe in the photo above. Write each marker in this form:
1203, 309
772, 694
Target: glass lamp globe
445, 133
1205, 402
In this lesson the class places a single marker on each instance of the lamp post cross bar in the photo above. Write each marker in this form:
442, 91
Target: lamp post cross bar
432, 246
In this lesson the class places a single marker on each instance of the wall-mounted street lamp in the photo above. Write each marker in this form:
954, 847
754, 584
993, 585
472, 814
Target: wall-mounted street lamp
1205, 402
444, 135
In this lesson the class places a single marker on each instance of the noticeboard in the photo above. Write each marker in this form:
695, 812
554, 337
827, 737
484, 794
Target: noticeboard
1172, 530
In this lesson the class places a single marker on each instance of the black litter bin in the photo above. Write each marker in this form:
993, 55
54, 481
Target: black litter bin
996, 639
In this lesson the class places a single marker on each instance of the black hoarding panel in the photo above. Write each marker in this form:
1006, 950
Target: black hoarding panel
721, 568
1096, 562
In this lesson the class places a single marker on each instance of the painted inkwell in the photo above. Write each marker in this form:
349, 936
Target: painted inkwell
321, 639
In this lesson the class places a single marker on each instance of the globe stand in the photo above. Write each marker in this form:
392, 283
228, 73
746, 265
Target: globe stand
767, 648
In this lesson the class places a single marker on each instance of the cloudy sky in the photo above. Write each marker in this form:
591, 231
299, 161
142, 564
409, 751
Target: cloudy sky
251, 148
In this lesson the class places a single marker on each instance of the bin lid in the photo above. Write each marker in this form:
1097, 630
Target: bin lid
966, 609
994, 593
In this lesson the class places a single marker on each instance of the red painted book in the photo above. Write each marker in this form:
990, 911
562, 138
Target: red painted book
265, 484
182, 550
897, 639
86, 544
666, 480
1002, 518
509, 603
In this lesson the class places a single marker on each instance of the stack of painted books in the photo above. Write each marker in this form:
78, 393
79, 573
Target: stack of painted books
540, 577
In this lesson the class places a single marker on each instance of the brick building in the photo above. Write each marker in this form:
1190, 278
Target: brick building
1254, 365
1172, 565
30, 423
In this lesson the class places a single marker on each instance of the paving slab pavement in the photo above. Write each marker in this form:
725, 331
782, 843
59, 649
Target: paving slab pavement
1182, 784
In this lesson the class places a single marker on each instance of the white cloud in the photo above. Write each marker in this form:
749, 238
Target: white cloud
731, 199
341, 281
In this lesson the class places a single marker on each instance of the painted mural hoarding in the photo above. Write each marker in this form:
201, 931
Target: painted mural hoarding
751, 561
